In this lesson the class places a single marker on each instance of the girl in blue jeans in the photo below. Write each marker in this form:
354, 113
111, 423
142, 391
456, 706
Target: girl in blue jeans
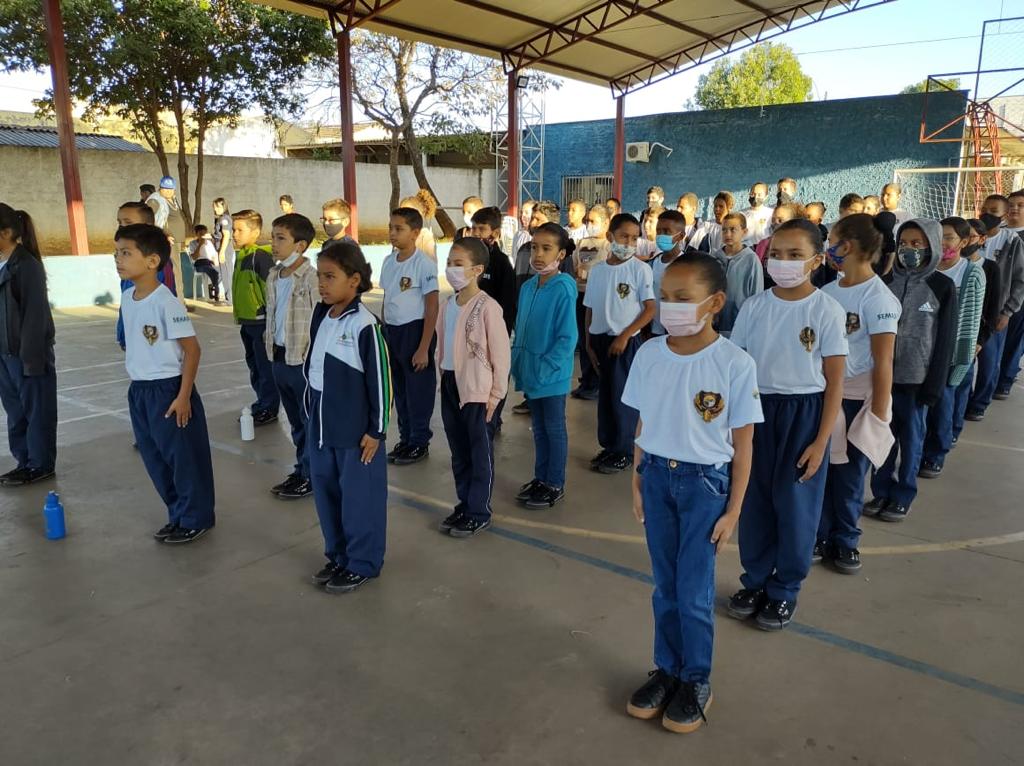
692, 455
542, 361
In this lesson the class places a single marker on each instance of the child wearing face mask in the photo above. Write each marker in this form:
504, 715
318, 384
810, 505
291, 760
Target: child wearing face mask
671, 228
926, 332
970, 281
590, 251
474, 357
781, 214
291, 296
797, 336
744, 274
620, 302
693, 456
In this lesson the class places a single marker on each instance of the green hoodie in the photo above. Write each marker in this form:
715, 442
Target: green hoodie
249, 284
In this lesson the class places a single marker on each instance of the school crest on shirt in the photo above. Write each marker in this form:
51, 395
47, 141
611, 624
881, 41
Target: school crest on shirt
852, 323
624, 290
404, 283
709, 405
807, 338
150, 333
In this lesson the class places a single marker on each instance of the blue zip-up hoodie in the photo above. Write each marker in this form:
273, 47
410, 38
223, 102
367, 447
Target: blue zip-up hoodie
546, 335
357, 397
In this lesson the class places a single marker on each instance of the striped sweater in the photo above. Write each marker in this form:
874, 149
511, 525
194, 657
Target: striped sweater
970, 300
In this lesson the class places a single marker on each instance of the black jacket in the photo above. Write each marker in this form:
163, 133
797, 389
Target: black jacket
26, 324
499, 282
992, 308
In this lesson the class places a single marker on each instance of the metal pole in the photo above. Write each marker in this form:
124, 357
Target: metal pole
65, 127
348, 145
513, 145
620, 144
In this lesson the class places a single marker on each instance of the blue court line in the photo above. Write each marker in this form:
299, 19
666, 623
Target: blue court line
809, 631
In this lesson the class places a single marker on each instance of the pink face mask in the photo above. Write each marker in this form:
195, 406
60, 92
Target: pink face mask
456, 276
551, 268
680, 319
787, 273
950, 253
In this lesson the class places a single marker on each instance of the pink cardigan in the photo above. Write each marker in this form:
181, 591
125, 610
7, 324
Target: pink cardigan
483, 354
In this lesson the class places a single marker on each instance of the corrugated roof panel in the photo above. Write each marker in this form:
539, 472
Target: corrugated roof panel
17, 135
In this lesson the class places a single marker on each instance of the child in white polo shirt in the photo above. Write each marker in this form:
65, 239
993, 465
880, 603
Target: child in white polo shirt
620, 301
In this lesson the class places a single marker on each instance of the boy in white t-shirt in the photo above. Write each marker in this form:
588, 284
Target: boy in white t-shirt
620, 302
577, 226
409, 314
162, 359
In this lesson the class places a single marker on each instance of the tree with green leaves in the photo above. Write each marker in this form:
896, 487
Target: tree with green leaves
769, 73
937, 84
203, 62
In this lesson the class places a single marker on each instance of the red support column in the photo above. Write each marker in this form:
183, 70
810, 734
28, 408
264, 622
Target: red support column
620, 144
65, 127
348, 145
513, 145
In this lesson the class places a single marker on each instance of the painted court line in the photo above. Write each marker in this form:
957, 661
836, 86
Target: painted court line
128, 380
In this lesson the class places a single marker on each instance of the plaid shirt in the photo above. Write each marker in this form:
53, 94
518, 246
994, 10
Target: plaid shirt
305, 295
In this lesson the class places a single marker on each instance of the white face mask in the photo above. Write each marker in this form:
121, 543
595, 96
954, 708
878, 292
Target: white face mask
290, 261
457, 278
787, 273
593, 230
680, 319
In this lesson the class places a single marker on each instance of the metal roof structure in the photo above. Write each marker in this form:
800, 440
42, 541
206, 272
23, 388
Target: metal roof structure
626, 44
20, 135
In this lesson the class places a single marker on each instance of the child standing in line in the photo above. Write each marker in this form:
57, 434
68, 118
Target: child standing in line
577, 226
291, 298
409, 313
542, 212
590, 251
348, 403
474, 355
498, 279
222, 229
336, 217
671, 228
693, 455
162, 359
249, 306
28, 375
620, 302
872, 315
542, 361
920, 364
132, 212
469, 207
1013, 349
424, 204
797, 336
203, 255
744, 275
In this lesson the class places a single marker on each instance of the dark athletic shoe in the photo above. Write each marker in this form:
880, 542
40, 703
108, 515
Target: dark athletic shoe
526, 491
685, 713
412, 455
894, 512
399, 450
14, 473
330, 569
746, 602
929, 470
586, 394
599, 458
288, 482
819, 553
955, 440
875, 507
165, 531
264, 418
449, 521
467, 527
523, 408
182, 535
615, 464
651, 699
298, 490
975, 417
22, 477
344, 581
545, 496
846, 560
775, 615
1002, 394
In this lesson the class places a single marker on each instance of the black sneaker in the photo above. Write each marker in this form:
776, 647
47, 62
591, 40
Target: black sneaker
846, 560
182, 535
344, 581
298, 490
975, 416
288, 482
467, 527
955, 440
820, 552
615, 464
775, 615
399, 450
523, 408
685, 713
545, 496
586, 394
746, 602
929, 470
12, 474
450, 521
526, 491
651, 699
894, 512
412, 455
1002, 394
599, 458
330, 569
264, 418
875, 507
22, 477
165, 531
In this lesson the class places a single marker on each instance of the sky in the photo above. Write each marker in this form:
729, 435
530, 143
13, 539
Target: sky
869, 52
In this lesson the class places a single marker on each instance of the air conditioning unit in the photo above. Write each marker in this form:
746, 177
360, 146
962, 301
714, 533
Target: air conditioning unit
640, 151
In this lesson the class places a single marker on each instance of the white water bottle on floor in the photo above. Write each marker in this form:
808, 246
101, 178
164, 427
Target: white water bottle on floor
248, 427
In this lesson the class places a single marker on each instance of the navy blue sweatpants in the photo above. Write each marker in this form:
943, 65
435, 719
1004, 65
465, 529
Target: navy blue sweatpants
588, 375
844, 491
351, 500
909, 421
1013, 350
261, 374
780, 515
291, 385
471, 442
414, 391
31, 406
176, 459
616, 422
989, 363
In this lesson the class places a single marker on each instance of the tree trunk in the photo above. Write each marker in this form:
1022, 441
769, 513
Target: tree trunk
200, 156
396, 181
183, 184
416, 158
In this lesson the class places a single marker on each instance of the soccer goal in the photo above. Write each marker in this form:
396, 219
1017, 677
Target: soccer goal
941, 192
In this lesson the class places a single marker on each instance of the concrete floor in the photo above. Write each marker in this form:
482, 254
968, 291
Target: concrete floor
517, 647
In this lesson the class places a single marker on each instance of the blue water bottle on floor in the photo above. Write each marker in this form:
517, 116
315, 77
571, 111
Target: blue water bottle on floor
53, 516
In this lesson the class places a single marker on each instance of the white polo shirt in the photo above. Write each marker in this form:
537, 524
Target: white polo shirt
152, 329
616, 294
870, 309
789, 339
712, 392
405, 284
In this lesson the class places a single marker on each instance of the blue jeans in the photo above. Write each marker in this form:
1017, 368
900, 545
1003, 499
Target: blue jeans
261, 372
291, 384
844, 491
989, 361
550, 439
938, 440
682, 502
963, 394
1012, 352
908, 426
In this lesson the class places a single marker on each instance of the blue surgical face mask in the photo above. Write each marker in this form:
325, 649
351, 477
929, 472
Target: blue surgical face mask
912, 257
833, 255
664, 242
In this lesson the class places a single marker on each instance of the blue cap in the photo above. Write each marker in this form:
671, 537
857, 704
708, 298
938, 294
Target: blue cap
167, 183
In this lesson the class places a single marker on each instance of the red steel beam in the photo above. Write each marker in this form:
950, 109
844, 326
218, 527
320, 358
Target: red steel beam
348, 144
65, 127
513, 145
620, 145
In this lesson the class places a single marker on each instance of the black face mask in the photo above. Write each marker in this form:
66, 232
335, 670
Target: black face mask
970, 250
752, 200
784, 198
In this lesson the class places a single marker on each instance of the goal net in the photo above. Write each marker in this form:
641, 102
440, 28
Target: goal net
941, 192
